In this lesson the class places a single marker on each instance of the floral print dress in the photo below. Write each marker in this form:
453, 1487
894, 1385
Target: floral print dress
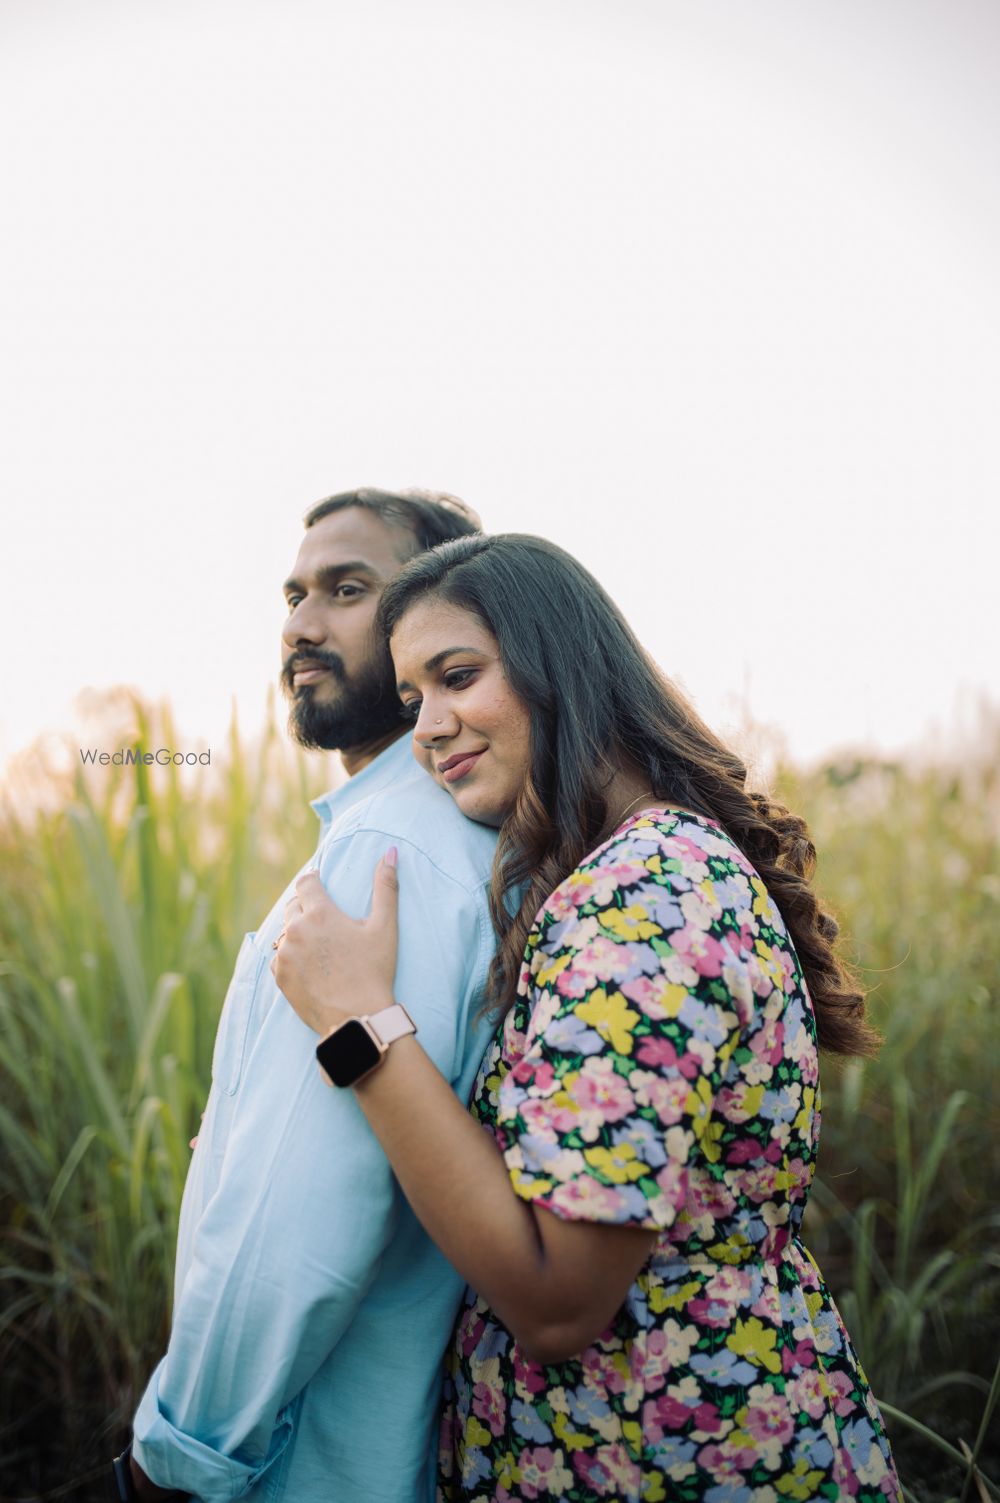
659, 1070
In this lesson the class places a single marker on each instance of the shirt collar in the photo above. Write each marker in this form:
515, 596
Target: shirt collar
383, 769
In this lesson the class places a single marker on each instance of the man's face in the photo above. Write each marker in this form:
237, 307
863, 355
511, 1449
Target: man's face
338, 678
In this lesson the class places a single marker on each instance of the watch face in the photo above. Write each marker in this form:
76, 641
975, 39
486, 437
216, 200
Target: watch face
348, 1053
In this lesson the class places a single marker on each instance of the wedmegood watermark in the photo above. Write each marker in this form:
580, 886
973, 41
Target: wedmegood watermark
130, 756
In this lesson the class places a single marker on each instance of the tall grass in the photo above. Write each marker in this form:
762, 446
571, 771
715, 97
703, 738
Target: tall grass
123, 897
905, 1219
120, 912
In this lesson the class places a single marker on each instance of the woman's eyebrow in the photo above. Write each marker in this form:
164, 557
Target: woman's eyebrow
437, 660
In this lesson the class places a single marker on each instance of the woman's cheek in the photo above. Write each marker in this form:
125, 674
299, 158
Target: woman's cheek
423, 757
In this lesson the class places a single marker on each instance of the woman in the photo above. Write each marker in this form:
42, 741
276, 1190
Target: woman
645, 1322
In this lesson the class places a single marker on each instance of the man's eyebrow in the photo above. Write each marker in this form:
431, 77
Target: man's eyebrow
331, 574
437, 660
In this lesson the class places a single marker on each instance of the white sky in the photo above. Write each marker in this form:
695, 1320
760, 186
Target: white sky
707, 292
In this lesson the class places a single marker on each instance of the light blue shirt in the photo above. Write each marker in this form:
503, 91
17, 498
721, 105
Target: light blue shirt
311, 1310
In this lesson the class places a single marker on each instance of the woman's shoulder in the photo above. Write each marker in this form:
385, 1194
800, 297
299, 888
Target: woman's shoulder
667, 902
664, 867
665, 839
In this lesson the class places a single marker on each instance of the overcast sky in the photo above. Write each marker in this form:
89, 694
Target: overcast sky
707, 292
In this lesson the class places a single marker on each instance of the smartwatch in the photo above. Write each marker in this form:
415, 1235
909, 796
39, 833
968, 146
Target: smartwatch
357, 1047
121, 1474
122, 1486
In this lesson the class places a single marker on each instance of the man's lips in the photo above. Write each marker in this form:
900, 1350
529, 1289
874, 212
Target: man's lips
453, 768
308, 673
303, 670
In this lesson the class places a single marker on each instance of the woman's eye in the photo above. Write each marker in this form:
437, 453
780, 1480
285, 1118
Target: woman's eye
410, 710
458, 678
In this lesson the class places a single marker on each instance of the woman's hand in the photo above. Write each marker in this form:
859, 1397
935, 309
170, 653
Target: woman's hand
331, 967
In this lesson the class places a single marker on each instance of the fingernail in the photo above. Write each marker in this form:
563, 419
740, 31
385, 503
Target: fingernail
391, 856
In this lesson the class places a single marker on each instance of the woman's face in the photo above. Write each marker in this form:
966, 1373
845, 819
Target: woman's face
471, 731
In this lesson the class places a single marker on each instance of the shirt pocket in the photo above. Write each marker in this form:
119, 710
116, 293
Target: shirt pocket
237, 1014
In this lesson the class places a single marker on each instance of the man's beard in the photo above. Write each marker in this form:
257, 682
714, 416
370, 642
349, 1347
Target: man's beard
365, 709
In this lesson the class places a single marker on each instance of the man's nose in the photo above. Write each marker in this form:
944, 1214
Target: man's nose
303, 624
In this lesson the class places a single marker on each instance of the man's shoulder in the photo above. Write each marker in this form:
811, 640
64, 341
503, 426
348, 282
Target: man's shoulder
413, 810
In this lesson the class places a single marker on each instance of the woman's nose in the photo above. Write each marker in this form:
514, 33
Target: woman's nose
434, 724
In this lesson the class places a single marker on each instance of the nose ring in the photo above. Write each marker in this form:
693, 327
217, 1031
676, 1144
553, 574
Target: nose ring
437, 722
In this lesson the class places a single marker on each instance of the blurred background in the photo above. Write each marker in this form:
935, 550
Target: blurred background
708, 294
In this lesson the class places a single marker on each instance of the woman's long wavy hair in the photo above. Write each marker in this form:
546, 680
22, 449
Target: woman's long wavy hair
598, 703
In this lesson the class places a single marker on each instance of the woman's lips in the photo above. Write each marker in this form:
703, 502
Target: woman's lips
458, 767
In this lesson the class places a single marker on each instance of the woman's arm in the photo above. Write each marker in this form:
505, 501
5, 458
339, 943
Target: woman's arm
556, 1284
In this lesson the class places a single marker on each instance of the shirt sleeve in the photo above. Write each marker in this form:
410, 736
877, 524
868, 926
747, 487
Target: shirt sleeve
637, 1005
305, 1203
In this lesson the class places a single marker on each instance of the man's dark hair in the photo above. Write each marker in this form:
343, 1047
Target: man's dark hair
431, 517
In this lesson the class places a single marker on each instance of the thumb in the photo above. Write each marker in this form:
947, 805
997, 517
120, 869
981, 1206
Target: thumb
385, 889
309, 888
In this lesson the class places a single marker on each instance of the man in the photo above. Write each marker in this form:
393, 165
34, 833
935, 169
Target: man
311, 1311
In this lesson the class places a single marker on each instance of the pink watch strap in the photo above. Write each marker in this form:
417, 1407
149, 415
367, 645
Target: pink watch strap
391, 1023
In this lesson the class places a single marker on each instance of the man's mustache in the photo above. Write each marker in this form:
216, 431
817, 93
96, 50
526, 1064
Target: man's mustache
316, 658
